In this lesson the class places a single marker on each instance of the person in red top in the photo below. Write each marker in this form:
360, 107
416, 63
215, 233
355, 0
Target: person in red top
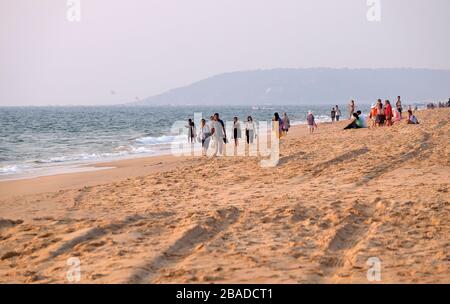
388, 112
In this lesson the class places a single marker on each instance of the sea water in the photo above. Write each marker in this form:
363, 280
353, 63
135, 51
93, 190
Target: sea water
40, 140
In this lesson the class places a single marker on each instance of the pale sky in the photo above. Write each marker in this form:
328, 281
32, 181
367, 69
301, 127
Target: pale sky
123, 49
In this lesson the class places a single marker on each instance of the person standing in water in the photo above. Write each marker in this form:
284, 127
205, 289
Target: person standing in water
311, 122
286, 124
250, 130
236, 131
338, 113
351, 109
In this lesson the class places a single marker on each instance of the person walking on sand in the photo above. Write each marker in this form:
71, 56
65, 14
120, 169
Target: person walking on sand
277, 124
351, 109
338, 113
388, 112
224, 132
236, 131
217, 132
191, 131
250, 130
311, 122
333, 114
286, 124
204, 136
398, 105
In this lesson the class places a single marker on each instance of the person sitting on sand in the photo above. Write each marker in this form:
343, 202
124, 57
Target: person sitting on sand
355, 124
362, 118
311, 122
412, 119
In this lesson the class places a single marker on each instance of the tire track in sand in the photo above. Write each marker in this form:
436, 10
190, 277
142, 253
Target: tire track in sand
184, 246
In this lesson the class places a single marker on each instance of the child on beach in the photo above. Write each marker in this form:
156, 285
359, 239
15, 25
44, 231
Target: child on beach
311, 122
412, 119
373, 115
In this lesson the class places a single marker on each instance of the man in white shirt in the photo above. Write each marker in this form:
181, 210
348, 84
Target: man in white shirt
218, 135
362, 118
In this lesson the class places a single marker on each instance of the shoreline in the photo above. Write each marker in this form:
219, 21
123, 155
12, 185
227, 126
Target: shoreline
336, 199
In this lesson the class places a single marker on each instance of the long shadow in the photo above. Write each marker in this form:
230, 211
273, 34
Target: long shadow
185, 245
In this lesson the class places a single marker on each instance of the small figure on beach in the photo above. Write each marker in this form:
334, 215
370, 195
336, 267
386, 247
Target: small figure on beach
381, 117
218, 133
224, 132
351, 109
388, 112
286, 124
191, 131
355, 124
338, 113
412, 119
373, 115
250, 128
310, 119
204, 136
236, 131
362, 118
398, 105
333, 114
277, 124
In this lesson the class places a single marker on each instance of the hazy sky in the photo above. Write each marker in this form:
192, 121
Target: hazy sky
123, 49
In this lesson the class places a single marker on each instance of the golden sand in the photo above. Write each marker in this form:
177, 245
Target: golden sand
336, 199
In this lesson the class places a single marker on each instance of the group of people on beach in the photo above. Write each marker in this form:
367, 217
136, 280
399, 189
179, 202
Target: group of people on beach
381, 114
213, 132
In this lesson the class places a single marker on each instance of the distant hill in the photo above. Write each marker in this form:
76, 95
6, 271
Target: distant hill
310, 86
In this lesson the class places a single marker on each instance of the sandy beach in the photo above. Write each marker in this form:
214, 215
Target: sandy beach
336, 199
